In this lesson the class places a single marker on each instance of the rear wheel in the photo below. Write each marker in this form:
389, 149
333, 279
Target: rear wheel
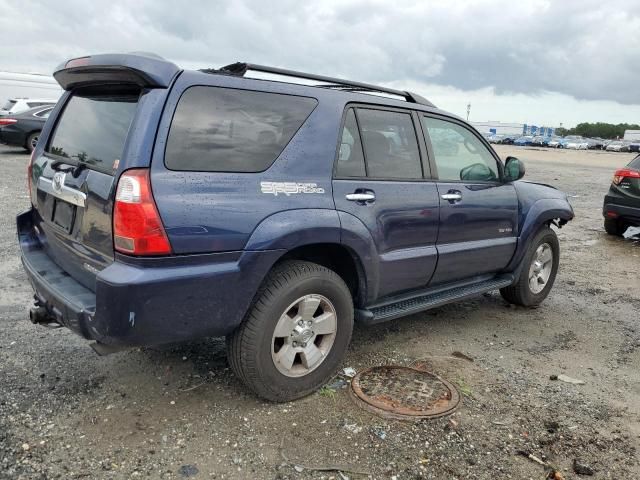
539, 271
613, 226
296, 334
32, 141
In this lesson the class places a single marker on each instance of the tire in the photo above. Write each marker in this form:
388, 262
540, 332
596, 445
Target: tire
255, 349
522, 292
613, 227
32, 140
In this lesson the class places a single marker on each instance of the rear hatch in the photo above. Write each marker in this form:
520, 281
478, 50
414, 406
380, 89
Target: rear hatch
72, 180
627, 182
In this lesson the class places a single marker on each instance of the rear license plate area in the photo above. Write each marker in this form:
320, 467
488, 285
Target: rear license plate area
64, 215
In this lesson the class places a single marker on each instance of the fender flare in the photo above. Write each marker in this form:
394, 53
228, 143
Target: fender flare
541, 212
290, 229
357, 238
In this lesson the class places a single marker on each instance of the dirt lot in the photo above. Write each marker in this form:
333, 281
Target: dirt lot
178, 411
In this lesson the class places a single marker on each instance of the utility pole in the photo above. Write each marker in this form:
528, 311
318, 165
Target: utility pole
468, 110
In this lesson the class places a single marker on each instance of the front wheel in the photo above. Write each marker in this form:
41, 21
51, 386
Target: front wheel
296, 334
539, 271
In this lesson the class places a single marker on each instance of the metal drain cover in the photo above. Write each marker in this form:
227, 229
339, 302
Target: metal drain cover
404, 393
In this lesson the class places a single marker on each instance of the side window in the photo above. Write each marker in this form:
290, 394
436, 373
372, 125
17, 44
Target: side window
459, 155
390, 144
350, 157
226, 130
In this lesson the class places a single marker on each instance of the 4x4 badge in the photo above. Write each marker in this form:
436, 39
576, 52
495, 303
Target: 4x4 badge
289, 188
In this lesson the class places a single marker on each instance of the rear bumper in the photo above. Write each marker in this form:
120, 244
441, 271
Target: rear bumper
614, 209
147, 301
12, 137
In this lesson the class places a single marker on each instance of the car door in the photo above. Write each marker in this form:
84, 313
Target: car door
478, 212
379, 179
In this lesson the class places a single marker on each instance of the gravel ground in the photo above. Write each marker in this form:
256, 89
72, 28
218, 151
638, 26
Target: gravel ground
178, 411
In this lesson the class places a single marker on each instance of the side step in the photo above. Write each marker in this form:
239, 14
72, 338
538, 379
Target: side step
407, 306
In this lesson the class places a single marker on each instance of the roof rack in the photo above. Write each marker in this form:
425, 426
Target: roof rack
240, 69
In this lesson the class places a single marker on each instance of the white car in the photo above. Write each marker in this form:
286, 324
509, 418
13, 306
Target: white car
576, 144
618, 147
18, 105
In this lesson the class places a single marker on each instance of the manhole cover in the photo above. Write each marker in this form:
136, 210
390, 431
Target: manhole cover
404, 393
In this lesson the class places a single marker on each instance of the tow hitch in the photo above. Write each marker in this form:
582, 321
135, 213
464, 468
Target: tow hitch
39, 315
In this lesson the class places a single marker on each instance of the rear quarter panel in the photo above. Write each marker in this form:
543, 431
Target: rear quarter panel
217, 211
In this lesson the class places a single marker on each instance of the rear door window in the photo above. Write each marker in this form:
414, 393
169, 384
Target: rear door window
93, 128
350, 157
227, 130
390, 144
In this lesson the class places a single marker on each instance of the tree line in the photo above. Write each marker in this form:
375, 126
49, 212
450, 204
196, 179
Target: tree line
599, 129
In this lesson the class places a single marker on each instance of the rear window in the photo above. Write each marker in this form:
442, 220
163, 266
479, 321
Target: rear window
635, 163
227, 130
93, 128
8, 105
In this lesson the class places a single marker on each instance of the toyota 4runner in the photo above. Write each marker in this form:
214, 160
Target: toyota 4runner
169, 205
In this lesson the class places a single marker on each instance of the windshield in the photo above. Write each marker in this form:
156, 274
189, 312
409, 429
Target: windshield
93, 128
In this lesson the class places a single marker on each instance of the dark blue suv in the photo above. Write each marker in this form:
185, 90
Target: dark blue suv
169, 205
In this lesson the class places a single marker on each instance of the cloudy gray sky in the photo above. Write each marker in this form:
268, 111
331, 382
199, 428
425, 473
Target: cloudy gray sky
542, 62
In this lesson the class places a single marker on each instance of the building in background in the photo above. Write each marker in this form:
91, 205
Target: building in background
632, 135
512, 128
27, 85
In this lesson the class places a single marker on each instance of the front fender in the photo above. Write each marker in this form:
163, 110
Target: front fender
539, 213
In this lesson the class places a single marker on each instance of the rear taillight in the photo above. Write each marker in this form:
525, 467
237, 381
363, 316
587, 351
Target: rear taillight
623, 173
137, 227
7, 121
30, 177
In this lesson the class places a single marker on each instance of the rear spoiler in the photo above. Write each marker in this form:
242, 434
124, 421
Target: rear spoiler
143, 70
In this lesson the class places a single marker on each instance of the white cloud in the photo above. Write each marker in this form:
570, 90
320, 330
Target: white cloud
559, 59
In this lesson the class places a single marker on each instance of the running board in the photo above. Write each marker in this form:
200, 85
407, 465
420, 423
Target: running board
421, 302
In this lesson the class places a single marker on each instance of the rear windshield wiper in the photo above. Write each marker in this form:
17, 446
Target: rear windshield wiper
74, 170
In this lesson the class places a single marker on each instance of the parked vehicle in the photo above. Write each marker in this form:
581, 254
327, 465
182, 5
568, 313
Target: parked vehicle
575, 144
23, 130
634, 146
555, 142
496, 138
14, 86
594, 143
622, 203
169, 205
13, 106
539, 141
618, 147
523, 141
508, 139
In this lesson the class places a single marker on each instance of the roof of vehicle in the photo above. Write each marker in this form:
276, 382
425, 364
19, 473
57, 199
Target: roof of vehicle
27, 99
149, 70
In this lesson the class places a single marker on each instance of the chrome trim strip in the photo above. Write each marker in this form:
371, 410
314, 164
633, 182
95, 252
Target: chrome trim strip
65, 193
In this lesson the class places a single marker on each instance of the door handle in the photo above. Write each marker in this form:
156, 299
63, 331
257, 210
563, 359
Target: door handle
361, 197
452, 196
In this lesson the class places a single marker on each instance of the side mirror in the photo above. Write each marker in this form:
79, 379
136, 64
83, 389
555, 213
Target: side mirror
477, 172
513, 169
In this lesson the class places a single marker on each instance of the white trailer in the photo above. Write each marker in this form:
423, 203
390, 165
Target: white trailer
27, 85
499, 128
633, 135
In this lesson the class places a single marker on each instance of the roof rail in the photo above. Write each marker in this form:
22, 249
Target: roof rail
240, 69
